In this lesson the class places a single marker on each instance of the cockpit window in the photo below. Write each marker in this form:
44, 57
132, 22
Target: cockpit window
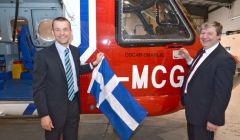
45, 30
151, 22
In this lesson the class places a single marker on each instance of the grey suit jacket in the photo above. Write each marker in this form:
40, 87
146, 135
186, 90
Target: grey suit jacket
209, 90
50, 83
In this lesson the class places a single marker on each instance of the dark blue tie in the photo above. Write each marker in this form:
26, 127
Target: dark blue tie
69, 75
195, 61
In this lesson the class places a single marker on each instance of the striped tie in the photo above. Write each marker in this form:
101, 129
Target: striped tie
69, 75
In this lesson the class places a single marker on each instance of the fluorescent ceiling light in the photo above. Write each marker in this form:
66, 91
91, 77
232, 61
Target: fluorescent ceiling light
233, 18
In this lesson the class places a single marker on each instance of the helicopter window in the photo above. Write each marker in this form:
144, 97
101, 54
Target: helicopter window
151, 22
20, 21
45, 30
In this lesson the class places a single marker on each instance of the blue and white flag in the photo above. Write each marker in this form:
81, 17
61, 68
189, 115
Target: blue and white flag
115, 102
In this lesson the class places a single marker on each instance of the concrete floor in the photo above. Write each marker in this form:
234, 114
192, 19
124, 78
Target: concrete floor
93, 127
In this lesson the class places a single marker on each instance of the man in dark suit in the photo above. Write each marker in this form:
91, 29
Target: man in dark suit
56, 84
207, 87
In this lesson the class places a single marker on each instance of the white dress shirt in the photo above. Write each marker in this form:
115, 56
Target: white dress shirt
204, 56
61, 53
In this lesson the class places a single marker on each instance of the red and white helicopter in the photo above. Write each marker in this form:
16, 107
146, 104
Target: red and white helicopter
139, 38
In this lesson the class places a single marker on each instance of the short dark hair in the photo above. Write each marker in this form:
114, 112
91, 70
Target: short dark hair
60, 19
218, 26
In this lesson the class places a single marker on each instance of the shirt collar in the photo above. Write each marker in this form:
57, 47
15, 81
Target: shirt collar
60, 47
209, 50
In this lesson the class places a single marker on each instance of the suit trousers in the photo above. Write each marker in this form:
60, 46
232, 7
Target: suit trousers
199, 132
69, 131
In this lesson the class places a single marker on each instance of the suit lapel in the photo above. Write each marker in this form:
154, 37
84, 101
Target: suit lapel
75, 59
206, 62
55, 55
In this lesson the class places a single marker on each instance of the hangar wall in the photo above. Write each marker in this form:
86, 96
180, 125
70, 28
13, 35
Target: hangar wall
229, 17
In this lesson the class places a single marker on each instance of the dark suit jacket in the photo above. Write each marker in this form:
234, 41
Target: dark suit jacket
50, 83
209, 90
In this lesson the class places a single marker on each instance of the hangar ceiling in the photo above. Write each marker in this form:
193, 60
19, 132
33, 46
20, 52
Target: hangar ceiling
203, 7
195, 7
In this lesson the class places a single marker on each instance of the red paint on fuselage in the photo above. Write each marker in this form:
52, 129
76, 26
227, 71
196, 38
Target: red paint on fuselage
156, 101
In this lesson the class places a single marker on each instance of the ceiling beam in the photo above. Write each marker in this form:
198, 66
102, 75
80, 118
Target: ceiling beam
197, 10
223, 1
203, 9
214, 9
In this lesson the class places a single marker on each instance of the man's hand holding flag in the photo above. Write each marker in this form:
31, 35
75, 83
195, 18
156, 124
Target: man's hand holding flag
115, 102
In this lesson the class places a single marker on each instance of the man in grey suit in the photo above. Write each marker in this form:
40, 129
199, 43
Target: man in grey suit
207, 87
56, 84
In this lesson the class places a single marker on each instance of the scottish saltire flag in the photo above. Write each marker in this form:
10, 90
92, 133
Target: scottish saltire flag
115, 102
